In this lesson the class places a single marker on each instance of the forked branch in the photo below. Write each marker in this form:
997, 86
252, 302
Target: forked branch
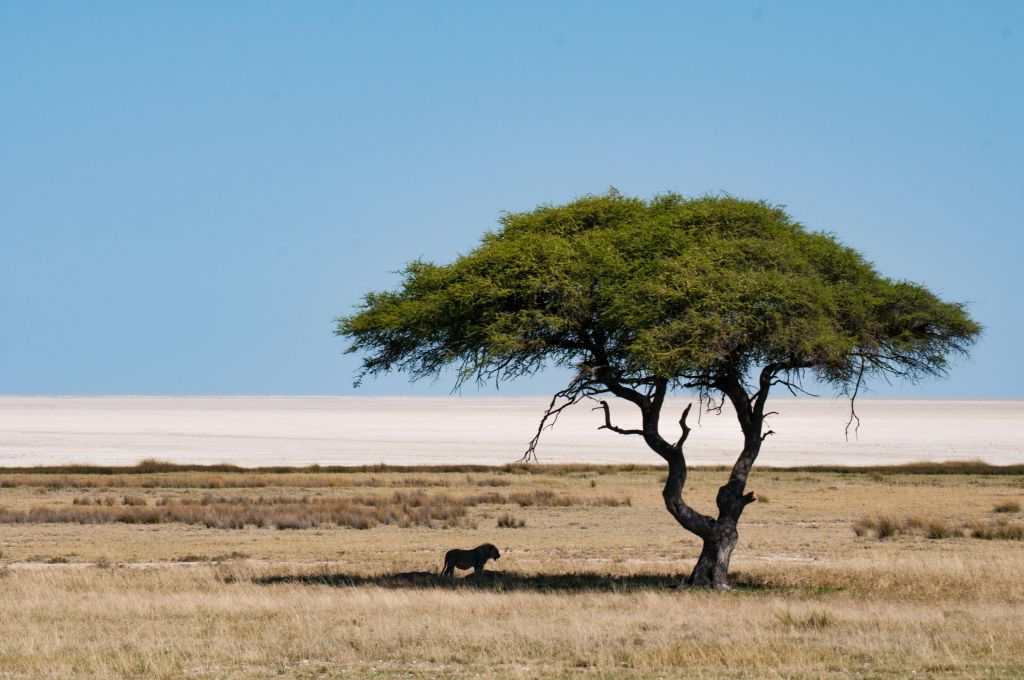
608, 421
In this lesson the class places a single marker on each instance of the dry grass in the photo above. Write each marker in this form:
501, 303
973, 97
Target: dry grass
583, 590
940, 528
404, 509
1000, 529
1007, 506
238, 512
508, 521
216, 480
154, 473
228, 621
887, 526
162, 474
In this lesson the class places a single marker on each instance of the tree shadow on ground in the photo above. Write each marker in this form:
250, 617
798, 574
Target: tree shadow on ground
509, 581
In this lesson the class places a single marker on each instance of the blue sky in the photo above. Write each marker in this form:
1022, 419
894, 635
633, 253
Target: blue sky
191, 192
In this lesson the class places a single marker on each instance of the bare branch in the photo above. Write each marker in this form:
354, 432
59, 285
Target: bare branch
767, 434
686, 428
703, 384
581, 387
608, 421
792, 387
530, 455
853, 398
707, 405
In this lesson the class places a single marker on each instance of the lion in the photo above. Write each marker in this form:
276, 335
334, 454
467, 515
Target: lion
469, 559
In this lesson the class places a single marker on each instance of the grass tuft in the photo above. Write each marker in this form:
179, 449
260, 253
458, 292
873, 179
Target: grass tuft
507, 521
888, 526
998, 529
940, 528
812, 620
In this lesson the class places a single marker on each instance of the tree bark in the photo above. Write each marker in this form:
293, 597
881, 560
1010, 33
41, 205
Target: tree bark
712, 568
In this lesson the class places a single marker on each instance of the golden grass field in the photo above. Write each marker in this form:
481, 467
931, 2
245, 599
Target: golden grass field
584, 589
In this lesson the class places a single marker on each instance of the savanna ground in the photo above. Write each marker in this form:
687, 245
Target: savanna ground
161, 571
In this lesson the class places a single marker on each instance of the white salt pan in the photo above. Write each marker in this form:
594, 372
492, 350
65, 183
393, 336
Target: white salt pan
256, 431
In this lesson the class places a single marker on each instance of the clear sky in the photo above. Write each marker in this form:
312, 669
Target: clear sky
190, 192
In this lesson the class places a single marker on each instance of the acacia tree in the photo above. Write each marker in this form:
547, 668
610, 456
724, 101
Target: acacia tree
640, 298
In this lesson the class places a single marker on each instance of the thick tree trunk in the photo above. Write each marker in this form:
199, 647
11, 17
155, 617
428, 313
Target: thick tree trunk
712, 568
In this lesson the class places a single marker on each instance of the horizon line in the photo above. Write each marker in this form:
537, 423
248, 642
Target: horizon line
539, 395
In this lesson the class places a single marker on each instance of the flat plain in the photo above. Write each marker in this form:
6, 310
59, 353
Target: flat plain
163, 571
259, 431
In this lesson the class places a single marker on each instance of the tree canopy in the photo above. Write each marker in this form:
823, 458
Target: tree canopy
678, 288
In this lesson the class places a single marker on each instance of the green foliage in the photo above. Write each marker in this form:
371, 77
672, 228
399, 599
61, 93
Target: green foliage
682, 289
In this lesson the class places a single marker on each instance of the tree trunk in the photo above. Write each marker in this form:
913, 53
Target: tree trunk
719, 535
712, 568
